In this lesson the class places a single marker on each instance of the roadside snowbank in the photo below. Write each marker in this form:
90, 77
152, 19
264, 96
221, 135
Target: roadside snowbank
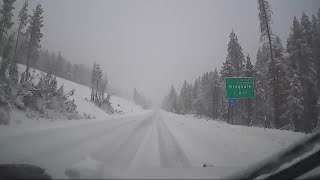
226, 145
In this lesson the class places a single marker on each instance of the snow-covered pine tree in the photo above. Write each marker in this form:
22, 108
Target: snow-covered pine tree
299, 48
295, 106
98, 82
174, 105
234, 67
282, 86
102, 89
183, 97
22, 20
216, 94
204, 94
262, 96
294, 45
6, 17
59, 65
265, 18
6, 57
34, 36
316, 49
93, 81
308, 75
249, 72
195, 95
189, 98
13, 72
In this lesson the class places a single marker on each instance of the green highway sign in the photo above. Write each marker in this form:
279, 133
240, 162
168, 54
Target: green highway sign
241, 87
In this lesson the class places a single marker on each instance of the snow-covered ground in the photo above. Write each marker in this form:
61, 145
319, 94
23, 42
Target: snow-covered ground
149, 144
82, 95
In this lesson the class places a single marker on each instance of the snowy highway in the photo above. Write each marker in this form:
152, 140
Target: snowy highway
119, 143
153, 144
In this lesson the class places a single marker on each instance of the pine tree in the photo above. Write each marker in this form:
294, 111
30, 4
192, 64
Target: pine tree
189, 98
282, 85
227, 70
308, 74
299, 48
294, 45
6, 17
265, 27
262, 66
195, 95
93, 81
98, 82
22, 19
235, 55
13, 72
53, 63
6, 57
294, 51
101, 90
234, 67
216, 93
295, 100
59, 65
34, 35
316, 46
97, 85
249, 72
259, 59
184, 97
174, 104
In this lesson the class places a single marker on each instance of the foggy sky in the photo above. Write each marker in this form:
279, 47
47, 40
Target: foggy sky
152, 44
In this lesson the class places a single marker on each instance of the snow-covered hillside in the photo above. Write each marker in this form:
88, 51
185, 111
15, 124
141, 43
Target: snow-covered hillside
82, 97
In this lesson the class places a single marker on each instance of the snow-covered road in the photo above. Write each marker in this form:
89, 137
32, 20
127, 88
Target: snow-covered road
153, 144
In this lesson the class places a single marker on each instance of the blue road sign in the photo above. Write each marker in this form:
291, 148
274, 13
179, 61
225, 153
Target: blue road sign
232, 102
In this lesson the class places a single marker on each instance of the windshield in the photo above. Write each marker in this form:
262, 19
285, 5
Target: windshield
156, 89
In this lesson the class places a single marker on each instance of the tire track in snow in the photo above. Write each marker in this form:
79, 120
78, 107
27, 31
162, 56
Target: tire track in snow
41, 147
126, 146
148, 155
56, 151
171, 154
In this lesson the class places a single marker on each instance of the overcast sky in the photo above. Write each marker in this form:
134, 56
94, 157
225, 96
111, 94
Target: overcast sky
151, 44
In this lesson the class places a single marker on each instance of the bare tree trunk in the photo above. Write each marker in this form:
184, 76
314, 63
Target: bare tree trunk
97, 99
1, 31
27, 64
16, 46
4, 65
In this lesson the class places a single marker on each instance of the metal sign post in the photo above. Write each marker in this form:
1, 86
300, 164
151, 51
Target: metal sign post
231, 104
238, 88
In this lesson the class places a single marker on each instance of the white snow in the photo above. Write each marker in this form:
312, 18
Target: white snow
136, 144
210, 141
82, 97
124, 105
148, 144
87, 168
